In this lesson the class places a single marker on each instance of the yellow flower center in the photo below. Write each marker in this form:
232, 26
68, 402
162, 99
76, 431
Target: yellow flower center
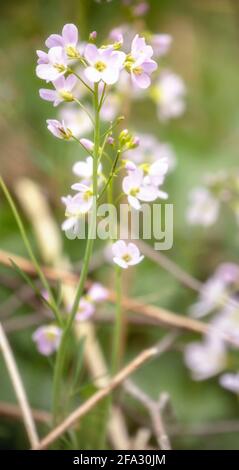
50, 336
129, 62
60, 67
100, 66
127, 258
145, 167
134, 192
137, 70
72, 52
66, 95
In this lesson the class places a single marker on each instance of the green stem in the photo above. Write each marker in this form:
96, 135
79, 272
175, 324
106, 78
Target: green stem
60, 360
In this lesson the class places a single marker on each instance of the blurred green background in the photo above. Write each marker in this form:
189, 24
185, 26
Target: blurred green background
205, 52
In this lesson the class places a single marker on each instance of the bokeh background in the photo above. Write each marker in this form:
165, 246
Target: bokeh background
205, 52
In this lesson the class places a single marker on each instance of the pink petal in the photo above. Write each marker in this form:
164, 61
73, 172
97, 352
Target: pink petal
47, 72
47, 95
120, 262
91, 53
70, 82
70, 34
119, 248
148, 193
59, 83
92, 74
54, 40
142, 81
134, 202
110, 75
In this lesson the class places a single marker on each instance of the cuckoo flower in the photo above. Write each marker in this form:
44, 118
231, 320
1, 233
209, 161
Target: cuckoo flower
161, 44
85, 310
205, 359
47, 339
55, 66
203, 209
139, 63
59, 129
126, 255
104, 64
156, 172
76, 206
63, 90
137, 190
169, 94
68, 40
97, 293
85, 169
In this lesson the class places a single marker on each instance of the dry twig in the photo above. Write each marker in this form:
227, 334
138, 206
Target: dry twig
117, 380
18, 388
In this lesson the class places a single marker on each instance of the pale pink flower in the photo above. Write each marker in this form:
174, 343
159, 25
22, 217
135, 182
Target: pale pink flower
126, 255
205, 359
55, 67
59, 129
156, 172
104, 64
63, 90
85, 310
150, 150
97, 293
169, 94
141, 9
116, 35
134, 186
226, 322
47, 339
76, 119
211, 295
76, 206
203, 209
84, 169
139, 63
68, 40
230, 382
161, 44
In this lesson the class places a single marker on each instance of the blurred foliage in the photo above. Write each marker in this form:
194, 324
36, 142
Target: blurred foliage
206, 53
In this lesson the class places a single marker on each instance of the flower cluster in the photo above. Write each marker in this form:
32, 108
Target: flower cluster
48, 337
217, 297
77, 71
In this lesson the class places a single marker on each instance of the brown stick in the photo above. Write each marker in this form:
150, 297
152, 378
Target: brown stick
13, 411
18, 388
154, 412
150, 311
98, 396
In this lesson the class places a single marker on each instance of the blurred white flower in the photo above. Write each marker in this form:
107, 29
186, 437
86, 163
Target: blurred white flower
169, 94
203, 208
205, 359
230, 382
151, 150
